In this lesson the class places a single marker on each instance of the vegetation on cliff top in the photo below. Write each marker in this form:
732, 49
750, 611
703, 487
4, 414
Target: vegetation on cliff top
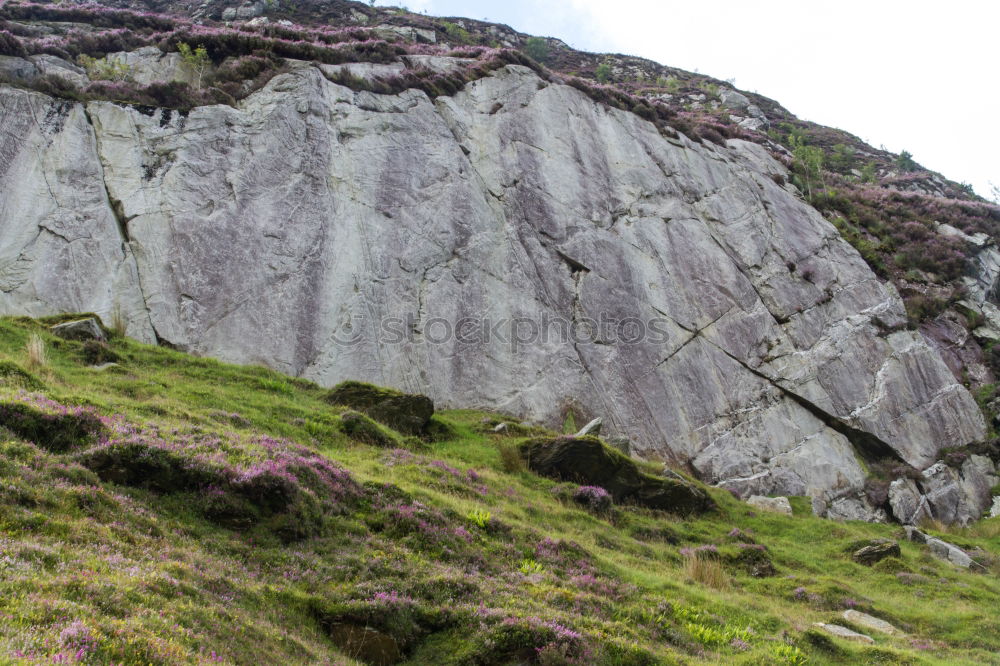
172, 509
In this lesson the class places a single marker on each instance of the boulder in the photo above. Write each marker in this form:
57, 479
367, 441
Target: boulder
854, 506
995, 509
249, 10
149, 65
368, 71
437, 64
17, 69
623, 444
406, 32
942, 549
362, 429
959, 495
587, 461
775, 504
592, 428
81, 330
843, 632
944, 495
978, 477
409, 414
908, 505
876, 552
59, 68
870, 622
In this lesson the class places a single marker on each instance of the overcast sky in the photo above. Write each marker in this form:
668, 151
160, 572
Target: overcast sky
914, 75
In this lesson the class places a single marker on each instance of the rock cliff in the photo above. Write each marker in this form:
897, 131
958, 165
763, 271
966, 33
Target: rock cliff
472, 247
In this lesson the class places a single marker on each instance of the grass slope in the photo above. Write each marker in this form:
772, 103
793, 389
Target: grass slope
174, 509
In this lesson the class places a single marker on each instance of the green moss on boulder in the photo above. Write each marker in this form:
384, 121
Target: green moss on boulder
56, 432
362, 429
586, 460
406, 413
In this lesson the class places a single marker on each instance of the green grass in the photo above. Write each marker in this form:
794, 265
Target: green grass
195, 548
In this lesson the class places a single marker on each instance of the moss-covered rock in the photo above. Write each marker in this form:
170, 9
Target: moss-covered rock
587, 461
81, 330
362, 429
141, 465
409, 414
12, 374
57, 432
99, 352
876, 552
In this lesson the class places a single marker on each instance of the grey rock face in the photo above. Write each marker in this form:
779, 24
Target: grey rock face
61, 247
149, 64
332, 235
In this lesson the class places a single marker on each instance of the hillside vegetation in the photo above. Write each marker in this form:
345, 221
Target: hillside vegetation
171, 509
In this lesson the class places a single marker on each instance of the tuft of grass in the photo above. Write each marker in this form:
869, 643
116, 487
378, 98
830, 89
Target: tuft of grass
119, 325
34, 350
510, 458
707, 571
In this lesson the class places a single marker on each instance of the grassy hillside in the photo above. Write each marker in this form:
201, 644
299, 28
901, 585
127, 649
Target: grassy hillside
172, 509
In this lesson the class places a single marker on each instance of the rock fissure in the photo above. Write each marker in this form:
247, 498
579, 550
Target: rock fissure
868, 446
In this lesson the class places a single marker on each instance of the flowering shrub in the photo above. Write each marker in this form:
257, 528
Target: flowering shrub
50, 425
500, 641
594, 498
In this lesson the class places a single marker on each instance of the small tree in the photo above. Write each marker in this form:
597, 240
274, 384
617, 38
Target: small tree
905, 161
537, 49
603, 72
197, 59
807, 164
868, 173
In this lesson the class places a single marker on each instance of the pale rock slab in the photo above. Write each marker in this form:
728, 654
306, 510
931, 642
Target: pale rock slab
908, 505
843, 632
775, 504
871, 622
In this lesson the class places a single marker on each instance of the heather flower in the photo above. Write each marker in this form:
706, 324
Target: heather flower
594, 498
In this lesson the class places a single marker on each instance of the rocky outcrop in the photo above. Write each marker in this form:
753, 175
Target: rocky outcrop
944, 550
870, 622
81, 329
947, 493
775, 504
844, 633
586, 460
876, 552
674, 288
406, 413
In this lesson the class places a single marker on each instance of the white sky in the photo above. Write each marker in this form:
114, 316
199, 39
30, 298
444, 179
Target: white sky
920, 76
